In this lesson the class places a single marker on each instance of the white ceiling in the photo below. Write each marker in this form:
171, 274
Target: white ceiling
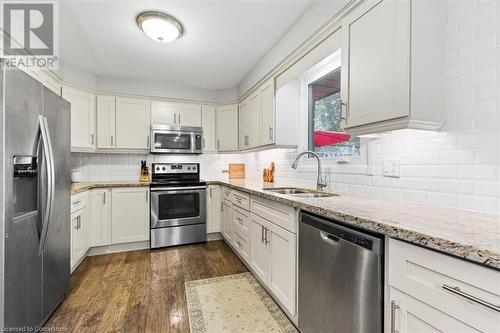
222, 39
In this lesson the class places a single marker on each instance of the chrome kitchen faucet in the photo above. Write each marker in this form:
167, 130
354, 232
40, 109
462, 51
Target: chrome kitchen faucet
320, 183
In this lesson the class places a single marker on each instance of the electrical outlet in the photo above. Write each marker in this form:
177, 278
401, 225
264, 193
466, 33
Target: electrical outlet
391, 169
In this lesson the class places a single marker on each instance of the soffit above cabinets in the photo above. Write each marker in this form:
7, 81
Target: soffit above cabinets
222, 40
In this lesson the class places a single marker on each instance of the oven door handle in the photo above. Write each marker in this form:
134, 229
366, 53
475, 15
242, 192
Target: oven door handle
156, 189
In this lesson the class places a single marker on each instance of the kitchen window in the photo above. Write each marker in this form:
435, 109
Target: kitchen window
326, 135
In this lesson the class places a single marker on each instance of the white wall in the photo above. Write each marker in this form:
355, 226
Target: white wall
315, 17
75, 76
162, 89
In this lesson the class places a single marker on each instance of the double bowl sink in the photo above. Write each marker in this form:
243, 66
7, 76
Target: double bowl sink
299, 193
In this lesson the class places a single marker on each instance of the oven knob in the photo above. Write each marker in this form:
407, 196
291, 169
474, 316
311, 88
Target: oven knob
189, 168
164, 168
157, 168
194, 168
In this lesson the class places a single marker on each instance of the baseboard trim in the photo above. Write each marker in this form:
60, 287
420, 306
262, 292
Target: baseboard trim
96, 251
214, 236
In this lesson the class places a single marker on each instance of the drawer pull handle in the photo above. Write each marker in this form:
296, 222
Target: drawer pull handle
394, 307
457, 291
76, 202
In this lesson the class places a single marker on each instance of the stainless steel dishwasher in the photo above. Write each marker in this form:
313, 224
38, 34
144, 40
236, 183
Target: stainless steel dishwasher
340, 278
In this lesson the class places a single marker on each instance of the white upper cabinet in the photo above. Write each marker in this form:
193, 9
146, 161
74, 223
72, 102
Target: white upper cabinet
189, 114
165, 113
209, 125
132, 123
267, 113
249, 122
227, 127
83, 136
392, 66
106, 122
244, 126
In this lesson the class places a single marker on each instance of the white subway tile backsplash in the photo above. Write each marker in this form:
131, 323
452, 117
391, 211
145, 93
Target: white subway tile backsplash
484, 204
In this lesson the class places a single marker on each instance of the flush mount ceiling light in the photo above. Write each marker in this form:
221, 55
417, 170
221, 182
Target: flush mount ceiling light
159, 26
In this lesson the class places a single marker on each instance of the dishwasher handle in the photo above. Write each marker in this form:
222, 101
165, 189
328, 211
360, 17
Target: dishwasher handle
332, 231
327, 238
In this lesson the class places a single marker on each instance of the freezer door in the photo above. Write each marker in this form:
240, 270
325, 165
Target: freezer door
22, 263
56, 252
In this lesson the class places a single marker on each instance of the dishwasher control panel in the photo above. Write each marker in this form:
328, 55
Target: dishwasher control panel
355, 239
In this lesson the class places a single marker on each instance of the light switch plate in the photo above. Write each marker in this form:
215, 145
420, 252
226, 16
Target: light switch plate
391, 168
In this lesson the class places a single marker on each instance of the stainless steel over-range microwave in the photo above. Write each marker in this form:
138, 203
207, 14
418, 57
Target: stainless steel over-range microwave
176, 139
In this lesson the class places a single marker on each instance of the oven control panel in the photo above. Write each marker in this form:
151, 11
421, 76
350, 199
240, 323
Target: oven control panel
173, 168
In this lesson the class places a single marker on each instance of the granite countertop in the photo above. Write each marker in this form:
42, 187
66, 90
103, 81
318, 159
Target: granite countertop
465, 234
85, 186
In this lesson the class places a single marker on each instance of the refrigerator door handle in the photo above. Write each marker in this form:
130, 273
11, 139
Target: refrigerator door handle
49, 160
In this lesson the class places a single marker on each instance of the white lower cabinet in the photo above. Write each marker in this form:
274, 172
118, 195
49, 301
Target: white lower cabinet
130, 214
414, 316
108, 216
258, 247
80, 228
79, 239
432, 292
213, 209
227, 220
100, 217
282, 269
273, 259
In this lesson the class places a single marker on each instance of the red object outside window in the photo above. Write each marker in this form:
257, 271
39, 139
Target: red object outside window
326, 138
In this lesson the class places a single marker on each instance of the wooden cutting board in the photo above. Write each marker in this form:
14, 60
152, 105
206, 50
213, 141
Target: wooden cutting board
236, 170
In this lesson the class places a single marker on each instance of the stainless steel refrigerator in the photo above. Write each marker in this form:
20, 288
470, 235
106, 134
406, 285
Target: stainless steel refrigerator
36, 200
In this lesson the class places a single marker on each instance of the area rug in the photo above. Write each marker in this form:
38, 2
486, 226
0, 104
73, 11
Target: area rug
234, 303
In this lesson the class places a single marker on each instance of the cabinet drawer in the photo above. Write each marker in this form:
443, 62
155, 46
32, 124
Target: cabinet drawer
278, 213
240, 199
79, 201
226, 193
445, 282
240, 220
241, 245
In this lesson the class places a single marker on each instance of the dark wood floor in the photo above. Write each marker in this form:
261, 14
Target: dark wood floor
139, 291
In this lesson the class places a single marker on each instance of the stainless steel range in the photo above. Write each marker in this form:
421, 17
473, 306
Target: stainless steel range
178, 205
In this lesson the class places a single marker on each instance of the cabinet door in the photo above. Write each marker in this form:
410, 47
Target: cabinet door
132, 123
227, 128
254, 121
244, 126
82, 118
106, 122
267, 113
130, 215
282, 253
100, 217
208, 124
189, 114
259, 254
79, 236
163, 113
227, 221
414, 316
76, 240
213, 209
376, 83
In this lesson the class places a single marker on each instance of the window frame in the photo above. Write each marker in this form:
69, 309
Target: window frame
316, 72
